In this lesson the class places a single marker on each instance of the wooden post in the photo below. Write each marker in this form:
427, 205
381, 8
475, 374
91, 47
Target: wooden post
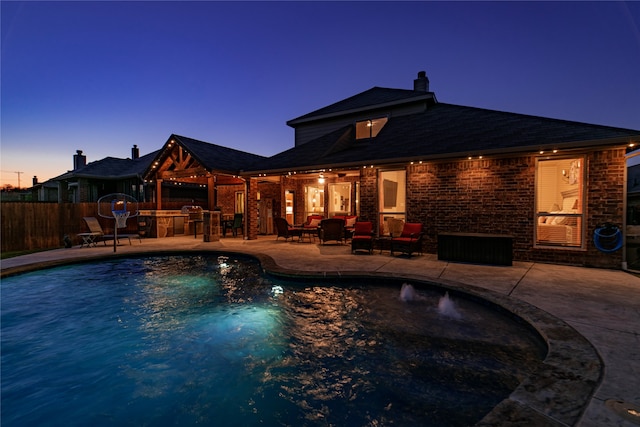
211, 192
158, 194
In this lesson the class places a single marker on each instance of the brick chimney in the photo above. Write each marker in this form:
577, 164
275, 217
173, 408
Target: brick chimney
79, 160
421, 84
135, 152
35, 180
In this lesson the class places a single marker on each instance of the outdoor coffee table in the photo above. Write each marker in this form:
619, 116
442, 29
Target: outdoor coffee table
310, 232
383, 243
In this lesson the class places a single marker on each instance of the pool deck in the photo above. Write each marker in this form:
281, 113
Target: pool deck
602, 305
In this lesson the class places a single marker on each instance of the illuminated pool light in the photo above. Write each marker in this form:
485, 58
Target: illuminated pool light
626, 410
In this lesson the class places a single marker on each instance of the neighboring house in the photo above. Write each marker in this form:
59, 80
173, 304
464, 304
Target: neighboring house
183, 171
394, 153
44, 191
89, 182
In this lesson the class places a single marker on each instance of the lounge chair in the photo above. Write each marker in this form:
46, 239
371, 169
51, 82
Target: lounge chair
362, 237
410, 240
96, 233
331, 229
285, 230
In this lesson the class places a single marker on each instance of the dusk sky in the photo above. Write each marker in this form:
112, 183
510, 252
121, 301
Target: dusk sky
102, 76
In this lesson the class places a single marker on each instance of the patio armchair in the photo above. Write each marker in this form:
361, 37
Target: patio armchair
331, 229
362, 237
349, 224
234, 225
285, 230
410, 240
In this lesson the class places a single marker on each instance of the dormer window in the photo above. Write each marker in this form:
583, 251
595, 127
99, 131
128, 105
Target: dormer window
370, 128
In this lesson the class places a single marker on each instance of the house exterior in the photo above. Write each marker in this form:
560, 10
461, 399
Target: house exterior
395, 153
87, 182
399, 154
184, 171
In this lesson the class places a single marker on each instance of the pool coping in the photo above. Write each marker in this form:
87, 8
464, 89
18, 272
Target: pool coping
556, 395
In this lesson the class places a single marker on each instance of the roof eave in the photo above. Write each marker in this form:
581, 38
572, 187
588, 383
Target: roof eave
497, 152
98, 177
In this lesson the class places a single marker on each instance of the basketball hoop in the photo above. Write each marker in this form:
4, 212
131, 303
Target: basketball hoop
121, 218
119, 207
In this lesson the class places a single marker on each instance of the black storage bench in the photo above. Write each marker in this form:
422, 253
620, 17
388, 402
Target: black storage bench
477, 248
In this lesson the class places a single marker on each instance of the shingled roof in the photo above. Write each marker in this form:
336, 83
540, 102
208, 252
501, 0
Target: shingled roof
217, 157
376, 97
445, 131
111, 168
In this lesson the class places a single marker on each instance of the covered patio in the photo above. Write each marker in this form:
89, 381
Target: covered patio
190, 174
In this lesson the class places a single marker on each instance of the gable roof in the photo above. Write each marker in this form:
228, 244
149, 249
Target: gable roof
210, 157
217, 157
446, 131
374, 98
111, 168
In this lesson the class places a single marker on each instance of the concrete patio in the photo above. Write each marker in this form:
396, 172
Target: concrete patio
601, 305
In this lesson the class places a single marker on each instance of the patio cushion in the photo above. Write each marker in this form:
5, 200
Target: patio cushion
405, 239
362, 228
411, 228
363, 237
315, 222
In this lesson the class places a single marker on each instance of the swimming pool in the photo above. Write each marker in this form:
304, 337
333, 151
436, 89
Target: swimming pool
209, 339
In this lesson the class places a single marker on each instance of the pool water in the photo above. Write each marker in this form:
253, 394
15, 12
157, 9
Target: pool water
209, 340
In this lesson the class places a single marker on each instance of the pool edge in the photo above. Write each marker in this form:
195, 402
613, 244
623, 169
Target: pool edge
556, 395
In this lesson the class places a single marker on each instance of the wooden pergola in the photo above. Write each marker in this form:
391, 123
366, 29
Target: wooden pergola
176, 166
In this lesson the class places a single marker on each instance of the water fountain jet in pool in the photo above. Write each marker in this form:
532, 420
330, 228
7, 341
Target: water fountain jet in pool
447, 307
407, 292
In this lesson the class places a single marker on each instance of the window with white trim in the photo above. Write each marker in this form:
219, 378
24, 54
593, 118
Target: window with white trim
314, 199
392, 192
560, 202
339, 199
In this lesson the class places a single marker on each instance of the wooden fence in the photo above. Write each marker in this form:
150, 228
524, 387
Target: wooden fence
39, 225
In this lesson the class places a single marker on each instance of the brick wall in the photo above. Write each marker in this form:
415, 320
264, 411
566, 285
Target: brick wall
251, 207
497, 196
226, 197
369, 195
474, 196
